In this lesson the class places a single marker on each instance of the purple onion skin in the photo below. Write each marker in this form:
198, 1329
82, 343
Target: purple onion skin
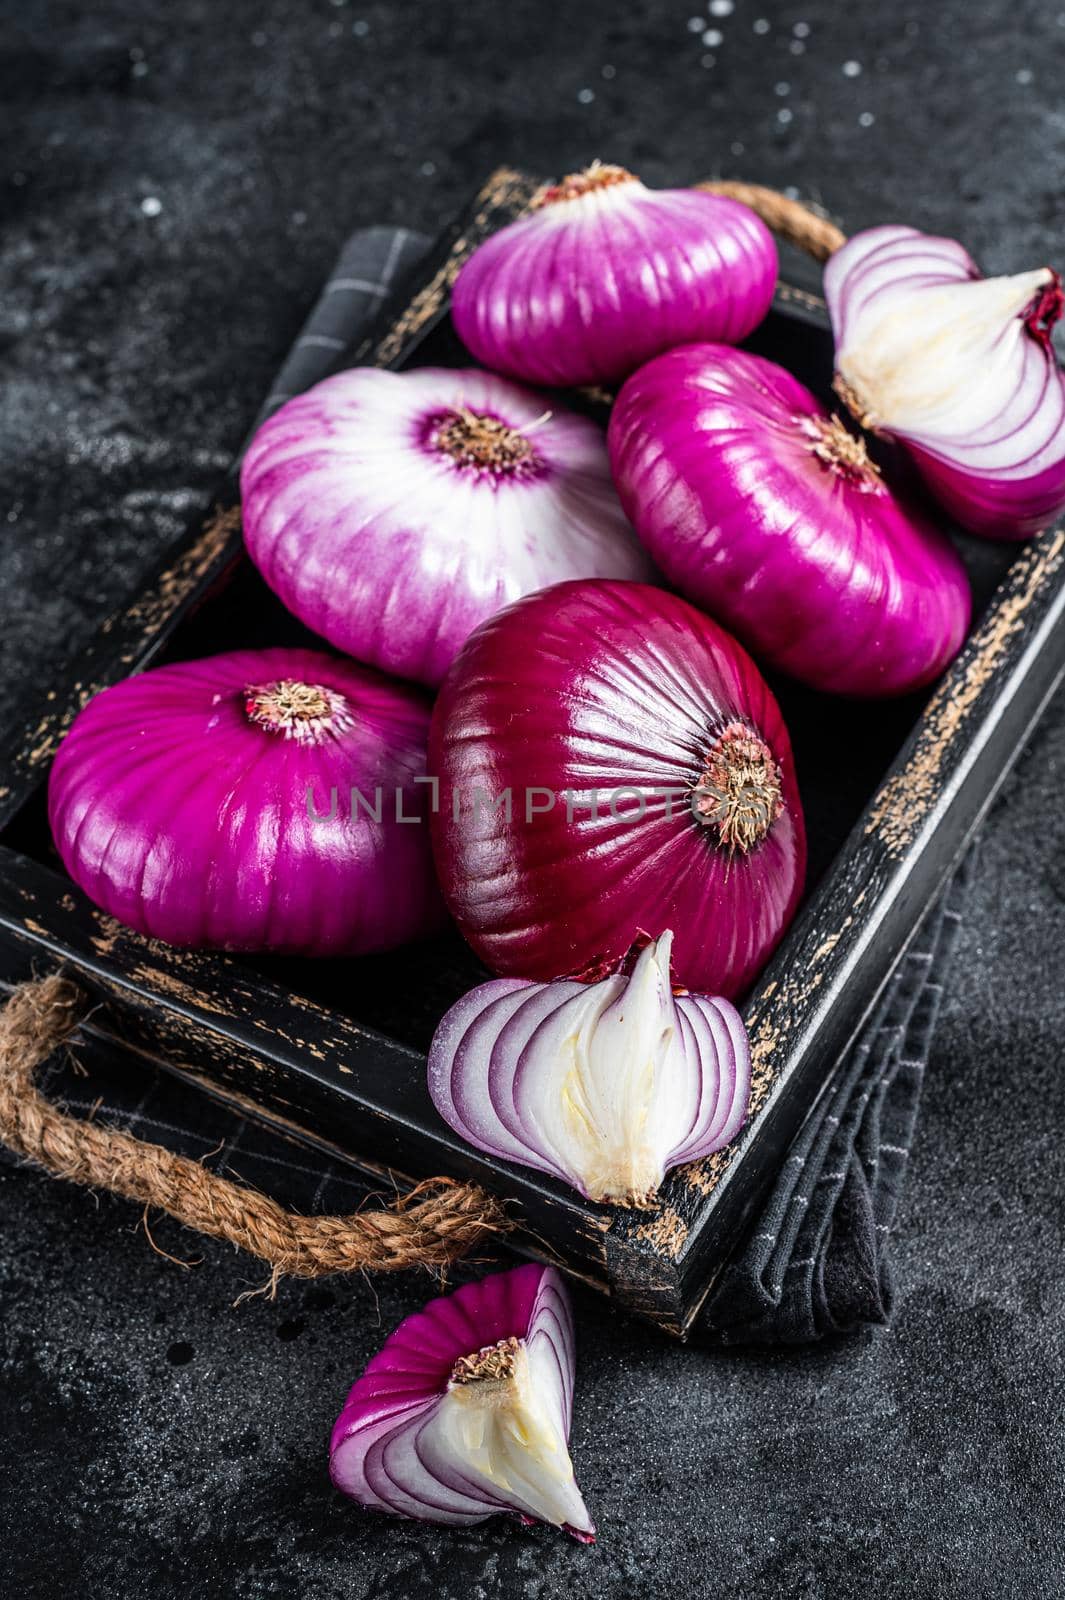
585, 290
380, 541
432, 1340
994, 509
592, 686
190, 823
817, 567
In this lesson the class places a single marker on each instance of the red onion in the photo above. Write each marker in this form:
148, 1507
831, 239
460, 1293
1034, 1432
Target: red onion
465, 1412
959, 368
194, 804
606, 1085
393, 512
767, 512
605, 274
651, 786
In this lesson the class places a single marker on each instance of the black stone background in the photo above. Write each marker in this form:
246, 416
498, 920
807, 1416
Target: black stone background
176, 179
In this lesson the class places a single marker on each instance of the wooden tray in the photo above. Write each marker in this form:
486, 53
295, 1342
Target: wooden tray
335, 1050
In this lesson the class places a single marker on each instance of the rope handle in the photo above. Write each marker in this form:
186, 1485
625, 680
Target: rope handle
791, 219
435, 1224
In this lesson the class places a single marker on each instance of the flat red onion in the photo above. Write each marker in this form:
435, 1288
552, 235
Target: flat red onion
194, 804
651, 786
465, 1412
606, 1085
393, 512
606, 273
959, 368
768, 513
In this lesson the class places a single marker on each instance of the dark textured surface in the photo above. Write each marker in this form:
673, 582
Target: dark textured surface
159, 1442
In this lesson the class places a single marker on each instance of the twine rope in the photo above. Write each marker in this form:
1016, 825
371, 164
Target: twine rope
791, 219
432, 1226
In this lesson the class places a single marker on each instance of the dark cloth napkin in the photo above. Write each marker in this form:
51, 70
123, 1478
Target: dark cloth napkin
816, 1261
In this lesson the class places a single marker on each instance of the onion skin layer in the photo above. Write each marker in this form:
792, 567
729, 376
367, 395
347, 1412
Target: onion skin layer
762, 511
377, 538
188, 821
597, 686
584, 290
960, 369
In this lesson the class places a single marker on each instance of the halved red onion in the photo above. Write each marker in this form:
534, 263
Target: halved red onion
606, 273
465, 1411
607, 1085
611, 762
259, 800
959, 368
769, 514
393, 512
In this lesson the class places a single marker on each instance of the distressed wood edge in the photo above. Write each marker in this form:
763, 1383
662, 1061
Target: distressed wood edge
902, 805
508, 194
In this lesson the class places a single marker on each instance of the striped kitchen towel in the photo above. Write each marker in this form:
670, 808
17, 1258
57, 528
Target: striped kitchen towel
817, 1261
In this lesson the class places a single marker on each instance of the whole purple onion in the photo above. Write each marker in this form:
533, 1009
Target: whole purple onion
393, 512
606, 273
612, 763
252, 801
769, 514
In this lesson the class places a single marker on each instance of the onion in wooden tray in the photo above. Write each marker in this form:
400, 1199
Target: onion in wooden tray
771, 515
612, 764
393, 512
606, 273
606, 1085
959, 368
209, 804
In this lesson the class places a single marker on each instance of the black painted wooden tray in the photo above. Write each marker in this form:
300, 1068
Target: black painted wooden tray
335, 1050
